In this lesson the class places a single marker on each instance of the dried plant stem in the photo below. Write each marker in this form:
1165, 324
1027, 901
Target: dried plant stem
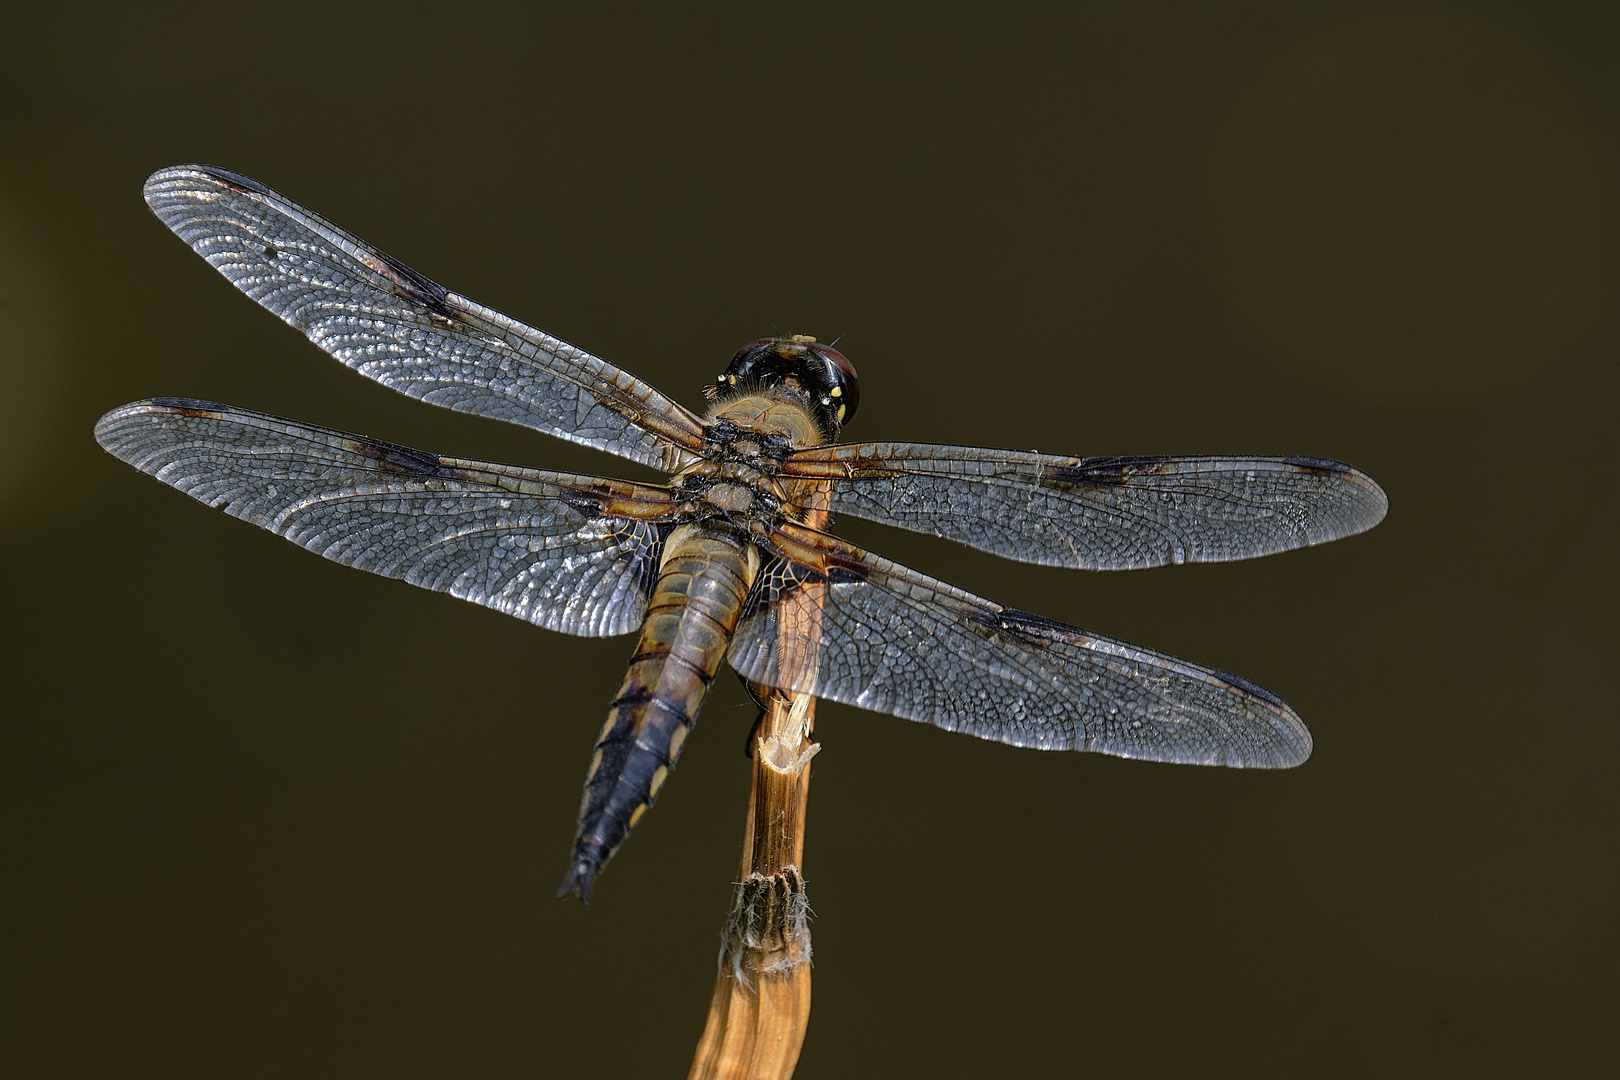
761, 1001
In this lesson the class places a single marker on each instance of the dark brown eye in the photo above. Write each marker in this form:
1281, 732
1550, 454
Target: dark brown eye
753, 346
844, 386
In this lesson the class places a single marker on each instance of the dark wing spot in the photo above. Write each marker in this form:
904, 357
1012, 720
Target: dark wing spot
236, 181
398, 459
190, 406
1021, 624
1317, 466
420, 290
1252, 690
270, 252
1112, 470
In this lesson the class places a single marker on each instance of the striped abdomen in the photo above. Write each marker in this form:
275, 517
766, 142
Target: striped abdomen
705, 578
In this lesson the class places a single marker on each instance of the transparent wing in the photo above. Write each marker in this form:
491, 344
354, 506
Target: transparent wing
570, 553
828, 618
1114, 513
391, 324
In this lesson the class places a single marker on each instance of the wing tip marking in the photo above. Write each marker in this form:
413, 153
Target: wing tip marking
187, 406
188, 174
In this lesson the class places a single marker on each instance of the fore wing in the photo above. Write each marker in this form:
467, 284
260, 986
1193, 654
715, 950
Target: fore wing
571, 553
391, 324
827, 618
1113, 513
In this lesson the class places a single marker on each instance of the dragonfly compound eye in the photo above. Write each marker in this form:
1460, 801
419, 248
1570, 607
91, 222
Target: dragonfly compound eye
843, 392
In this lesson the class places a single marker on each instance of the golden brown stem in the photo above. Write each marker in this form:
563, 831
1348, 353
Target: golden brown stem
761, 1001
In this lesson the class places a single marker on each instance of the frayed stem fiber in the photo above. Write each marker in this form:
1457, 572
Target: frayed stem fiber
761, 1001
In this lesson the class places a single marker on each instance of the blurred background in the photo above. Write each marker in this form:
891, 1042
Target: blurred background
263, 814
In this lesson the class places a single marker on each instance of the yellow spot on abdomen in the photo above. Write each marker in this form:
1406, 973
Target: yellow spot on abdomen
658, 779
676, 738
635, 815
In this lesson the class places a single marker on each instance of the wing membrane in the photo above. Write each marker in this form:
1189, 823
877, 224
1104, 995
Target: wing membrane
570, 553
391, 324
1101, 513
828, 618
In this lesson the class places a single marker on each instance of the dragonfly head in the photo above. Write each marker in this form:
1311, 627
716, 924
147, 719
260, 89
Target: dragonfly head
820, 372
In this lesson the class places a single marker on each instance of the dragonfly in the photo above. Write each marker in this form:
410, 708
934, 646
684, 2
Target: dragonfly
732, 558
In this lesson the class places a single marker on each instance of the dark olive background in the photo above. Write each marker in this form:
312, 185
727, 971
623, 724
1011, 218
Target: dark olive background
266, 815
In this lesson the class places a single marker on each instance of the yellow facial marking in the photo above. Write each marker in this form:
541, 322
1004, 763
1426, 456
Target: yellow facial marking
676, 738
837, 391
840, 412
658, 781
596, 763
635, 815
